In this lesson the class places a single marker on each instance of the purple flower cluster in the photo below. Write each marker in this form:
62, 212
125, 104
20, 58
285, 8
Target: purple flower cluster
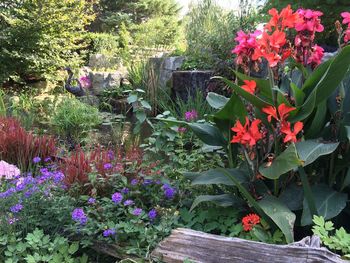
109, 232
107, 166
152, 214
169, 192
25, 185
191, 115
128, 202
91, 201
78, 215
16, 208
36, 159
117, 197
137, 211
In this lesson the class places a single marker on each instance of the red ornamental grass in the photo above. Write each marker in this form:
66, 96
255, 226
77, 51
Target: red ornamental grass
249, 221
19, 147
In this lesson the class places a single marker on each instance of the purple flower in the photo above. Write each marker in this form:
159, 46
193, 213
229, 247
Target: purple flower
191, 115
128, 202
79, 216
110, 154
85, 81
117, 197
125, 190
12, 220
48, 159
169, 192
91, 200
181, 129
147, 182
16, 208
152, 214
107, 166
36, 159
137, 211
134, 182
109, 232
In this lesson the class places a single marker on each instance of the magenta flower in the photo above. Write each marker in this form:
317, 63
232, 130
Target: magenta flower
191, 115
85, 81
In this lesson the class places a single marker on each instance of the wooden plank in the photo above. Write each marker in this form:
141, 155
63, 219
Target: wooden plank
207, 248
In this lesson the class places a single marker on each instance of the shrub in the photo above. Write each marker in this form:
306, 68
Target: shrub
50, 33
17, 146
73, 120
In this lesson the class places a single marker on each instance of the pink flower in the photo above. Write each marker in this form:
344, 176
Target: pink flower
346, 16
191, 115
181, 129
316, 55
85, 81
246, 45
9, 171
310, 21
347, 35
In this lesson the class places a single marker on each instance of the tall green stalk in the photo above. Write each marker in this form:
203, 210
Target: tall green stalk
307, 192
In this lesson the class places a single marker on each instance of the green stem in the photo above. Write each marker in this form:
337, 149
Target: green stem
307, 192
272, 85
229, 153
275, 187
331, 174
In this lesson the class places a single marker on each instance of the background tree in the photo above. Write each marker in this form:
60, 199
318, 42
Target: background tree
39, 36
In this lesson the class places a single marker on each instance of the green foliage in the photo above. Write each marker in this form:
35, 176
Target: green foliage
73, 119
38, 37
38, 247
209, 33
338, 241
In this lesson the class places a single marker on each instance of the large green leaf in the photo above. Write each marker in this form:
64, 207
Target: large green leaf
326, 78
216, 101
216, 176
293, 197
285, 162
329, 203
306, 109
346, 181
316, 76
221, 200
233, 109
280, 215
256, 101
318, 121
310, 150
298, 94
208, 133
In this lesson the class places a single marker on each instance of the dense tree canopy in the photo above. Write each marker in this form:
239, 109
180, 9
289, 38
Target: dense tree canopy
38, 36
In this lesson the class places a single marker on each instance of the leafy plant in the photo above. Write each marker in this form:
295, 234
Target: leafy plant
265, 117
73, 120
339, 241
38, 247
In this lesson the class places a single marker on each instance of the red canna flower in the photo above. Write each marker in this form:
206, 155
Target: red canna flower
248, 134
249, 221
283, 112
285, 19
250, 86
289, 134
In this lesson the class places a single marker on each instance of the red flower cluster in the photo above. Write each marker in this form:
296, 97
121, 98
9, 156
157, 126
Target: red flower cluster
274, 45
280, 115
247, 135
245, 48
346, 20
249, 86
250, 221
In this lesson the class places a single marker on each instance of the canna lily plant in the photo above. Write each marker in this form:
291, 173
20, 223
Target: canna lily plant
286, 135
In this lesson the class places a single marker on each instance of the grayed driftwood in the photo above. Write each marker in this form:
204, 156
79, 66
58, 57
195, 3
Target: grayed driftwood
207, 248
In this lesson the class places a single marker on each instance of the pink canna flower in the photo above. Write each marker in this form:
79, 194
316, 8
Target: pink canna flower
347, 35
310, 21
346, 16
316, 55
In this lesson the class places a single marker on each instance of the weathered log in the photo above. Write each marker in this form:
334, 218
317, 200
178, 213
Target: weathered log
207, 248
